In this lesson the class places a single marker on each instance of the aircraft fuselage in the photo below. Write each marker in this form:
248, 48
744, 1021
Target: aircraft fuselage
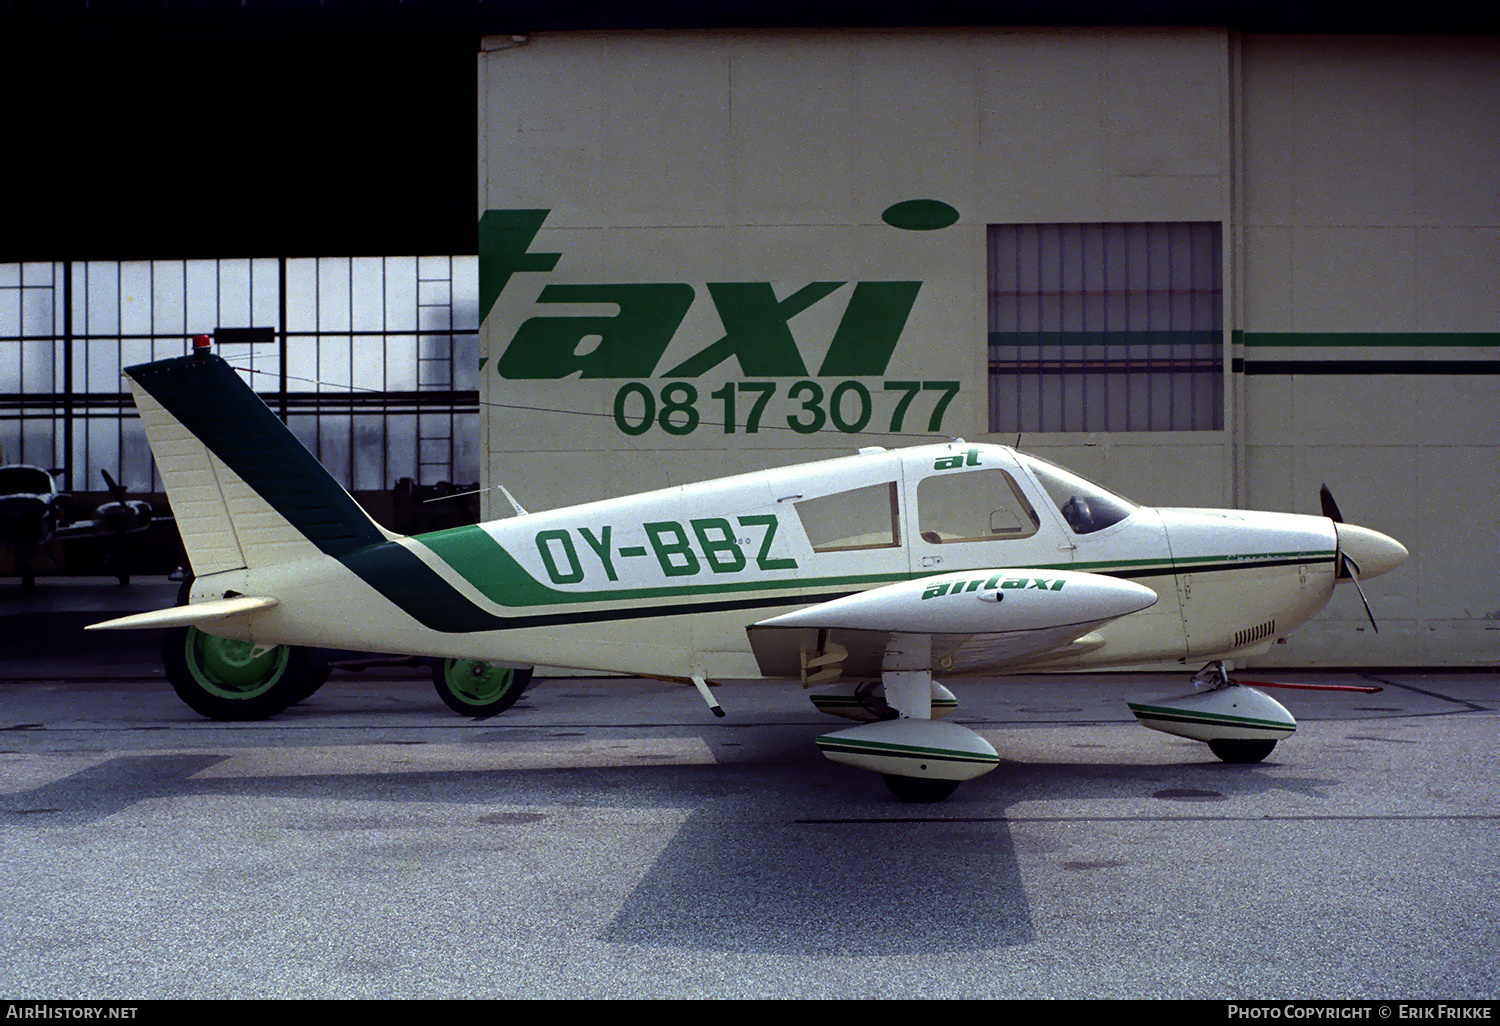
666, 583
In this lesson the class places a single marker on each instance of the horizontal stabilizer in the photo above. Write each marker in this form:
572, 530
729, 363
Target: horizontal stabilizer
196, 615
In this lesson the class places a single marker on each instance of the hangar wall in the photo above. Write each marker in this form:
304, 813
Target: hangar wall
1369, 306
709, 252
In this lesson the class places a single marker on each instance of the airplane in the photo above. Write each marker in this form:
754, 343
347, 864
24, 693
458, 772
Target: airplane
33, 512
873, 577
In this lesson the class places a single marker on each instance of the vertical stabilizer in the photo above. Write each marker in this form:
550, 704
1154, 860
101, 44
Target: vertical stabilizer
245, 492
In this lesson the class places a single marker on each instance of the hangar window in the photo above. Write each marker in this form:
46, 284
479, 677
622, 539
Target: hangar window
1106, 327
372, 361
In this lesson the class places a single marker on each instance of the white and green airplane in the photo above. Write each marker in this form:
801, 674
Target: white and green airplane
869, 577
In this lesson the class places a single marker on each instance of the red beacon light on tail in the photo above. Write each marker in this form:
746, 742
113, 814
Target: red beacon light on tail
201, 344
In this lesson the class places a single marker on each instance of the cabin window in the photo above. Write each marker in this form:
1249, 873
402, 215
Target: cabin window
981, 505
863, 518
1084, 505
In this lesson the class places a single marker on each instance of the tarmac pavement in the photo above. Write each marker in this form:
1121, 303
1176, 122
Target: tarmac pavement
610, 838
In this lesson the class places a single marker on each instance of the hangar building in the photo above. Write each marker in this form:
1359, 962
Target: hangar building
1202, 266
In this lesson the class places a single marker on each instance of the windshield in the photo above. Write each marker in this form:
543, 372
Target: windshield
1085, 506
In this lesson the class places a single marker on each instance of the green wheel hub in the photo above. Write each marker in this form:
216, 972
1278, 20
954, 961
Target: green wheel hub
235, 680
474, 687
477, 681
234, 669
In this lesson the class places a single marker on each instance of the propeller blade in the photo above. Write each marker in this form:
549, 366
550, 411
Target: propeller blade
1354, 576
1331, 511
1347, 567
1330, 508
114, 486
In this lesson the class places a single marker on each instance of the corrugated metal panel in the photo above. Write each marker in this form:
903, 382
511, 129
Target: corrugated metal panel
1106, 327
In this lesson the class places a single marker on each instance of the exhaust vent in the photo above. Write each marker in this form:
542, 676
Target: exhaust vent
1254, 634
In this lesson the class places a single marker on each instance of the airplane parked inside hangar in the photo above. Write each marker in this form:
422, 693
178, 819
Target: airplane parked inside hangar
873, 576
33, 512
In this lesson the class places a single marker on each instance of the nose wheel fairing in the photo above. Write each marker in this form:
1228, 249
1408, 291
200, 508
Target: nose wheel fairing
1230, 712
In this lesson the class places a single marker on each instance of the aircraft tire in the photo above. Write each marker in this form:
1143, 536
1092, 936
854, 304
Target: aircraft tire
223, 680
919, 789
318, 672
1241, 750
473, 687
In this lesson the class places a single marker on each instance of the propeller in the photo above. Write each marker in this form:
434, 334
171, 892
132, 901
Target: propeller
118, 490
122, 514
1330, 508
1347, 566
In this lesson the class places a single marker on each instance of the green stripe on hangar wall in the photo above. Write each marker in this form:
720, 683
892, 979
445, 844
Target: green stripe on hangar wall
1184, 337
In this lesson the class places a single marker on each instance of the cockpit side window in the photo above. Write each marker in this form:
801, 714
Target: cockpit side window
980, 505
862, 518
1084, 505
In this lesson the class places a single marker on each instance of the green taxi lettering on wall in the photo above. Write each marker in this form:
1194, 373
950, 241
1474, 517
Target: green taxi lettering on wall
631, 343
758, 343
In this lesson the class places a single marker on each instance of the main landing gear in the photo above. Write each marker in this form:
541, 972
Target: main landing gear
232, 680
238, 680
918, 789
473, 687
922, 760
919, 758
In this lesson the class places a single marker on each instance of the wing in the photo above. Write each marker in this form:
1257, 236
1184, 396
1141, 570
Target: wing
90, 528
975, 620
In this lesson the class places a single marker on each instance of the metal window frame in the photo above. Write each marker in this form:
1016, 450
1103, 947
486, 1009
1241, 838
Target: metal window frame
80, 425
1121, 374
